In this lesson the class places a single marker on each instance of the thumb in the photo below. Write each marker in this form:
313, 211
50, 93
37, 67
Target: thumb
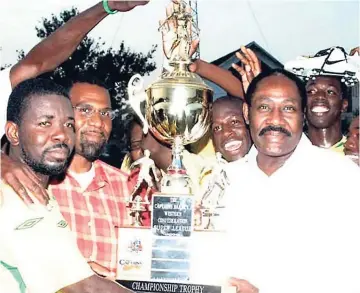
193, 67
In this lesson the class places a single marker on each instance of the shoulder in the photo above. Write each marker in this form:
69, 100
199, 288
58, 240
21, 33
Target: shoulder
328, 161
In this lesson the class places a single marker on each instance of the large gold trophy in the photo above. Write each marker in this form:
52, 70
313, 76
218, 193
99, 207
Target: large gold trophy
176, 105
171, 256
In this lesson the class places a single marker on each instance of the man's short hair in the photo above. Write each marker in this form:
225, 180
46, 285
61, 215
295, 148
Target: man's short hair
84, 77
22, 94
238, 102
277, 72
229, 98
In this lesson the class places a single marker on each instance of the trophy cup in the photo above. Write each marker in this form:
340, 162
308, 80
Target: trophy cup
173, 256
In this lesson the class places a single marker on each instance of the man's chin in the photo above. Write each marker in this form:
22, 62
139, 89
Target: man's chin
51, 169
231, 157
90, 151
321, 122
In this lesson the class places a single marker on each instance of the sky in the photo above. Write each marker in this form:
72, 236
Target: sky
286, 29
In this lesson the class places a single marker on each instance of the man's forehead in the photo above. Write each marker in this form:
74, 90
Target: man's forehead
227, 108
329, 80
48, 105
89, 93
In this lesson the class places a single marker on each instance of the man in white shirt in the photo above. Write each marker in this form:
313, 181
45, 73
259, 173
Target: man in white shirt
38, 252
293, 223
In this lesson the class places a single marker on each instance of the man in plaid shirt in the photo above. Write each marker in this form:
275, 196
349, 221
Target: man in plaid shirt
92, 193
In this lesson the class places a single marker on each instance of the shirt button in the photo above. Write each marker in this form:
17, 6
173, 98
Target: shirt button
89, 223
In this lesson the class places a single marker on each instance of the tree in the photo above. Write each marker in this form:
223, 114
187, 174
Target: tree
113, 66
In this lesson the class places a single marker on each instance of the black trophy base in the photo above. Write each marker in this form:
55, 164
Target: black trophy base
166, 287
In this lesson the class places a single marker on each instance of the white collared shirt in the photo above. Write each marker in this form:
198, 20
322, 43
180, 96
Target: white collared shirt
299, 229
38, 252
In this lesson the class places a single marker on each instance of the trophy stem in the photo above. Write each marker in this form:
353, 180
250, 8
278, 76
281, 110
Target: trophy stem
176, 179
180, 66
177, 165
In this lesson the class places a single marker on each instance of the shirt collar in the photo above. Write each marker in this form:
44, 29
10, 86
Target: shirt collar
300, 151
100, 179
340, 143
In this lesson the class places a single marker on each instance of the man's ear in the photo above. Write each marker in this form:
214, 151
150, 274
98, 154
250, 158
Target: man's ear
12, 132
344, 106
246, 112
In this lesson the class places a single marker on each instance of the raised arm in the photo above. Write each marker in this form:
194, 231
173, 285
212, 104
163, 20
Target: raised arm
220, 76
225, 79
56, 48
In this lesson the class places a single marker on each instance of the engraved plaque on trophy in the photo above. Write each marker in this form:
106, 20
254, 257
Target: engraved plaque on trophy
172, 256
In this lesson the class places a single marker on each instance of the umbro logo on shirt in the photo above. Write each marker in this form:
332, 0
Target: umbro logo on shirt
29, 224
62, 224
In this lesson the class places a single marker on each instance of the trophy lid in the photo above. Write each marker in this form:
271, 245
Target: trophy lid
180, 76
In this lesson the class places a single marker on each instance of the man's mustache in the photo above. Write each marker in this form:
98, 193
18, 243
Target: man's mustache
274, 128
102, 134
58, 146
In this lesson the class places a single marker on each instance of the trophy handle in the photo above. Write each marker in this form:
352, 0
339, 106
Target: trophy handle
137, 95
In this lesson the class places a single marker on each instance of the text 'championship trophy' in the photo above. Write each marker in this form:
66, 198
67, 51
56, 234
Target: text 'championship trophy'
171, 256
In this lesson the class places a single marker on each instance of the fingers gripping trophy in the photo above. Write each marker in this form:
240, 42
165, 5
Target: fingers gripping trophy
177, 104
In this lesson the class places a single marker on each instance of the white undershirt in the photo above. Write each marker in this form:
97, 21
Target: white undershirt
84, 179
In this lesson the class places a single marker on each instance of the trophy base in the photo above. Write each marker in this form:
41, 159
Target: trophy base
171, 256
162, 287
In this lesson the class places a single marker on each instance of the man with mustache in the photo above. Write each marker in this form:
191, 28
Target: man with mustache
351, 148
38, 252
92, 194
286, 232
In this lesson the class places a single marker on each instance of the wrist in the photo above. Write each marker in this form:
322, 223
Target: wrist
109, 7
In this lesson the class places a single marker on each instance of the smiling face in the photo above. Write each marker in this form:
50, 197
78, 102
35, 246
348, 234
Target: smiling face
230, 135
46, 134
275, 116
325, 102
352, 144
92, 131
